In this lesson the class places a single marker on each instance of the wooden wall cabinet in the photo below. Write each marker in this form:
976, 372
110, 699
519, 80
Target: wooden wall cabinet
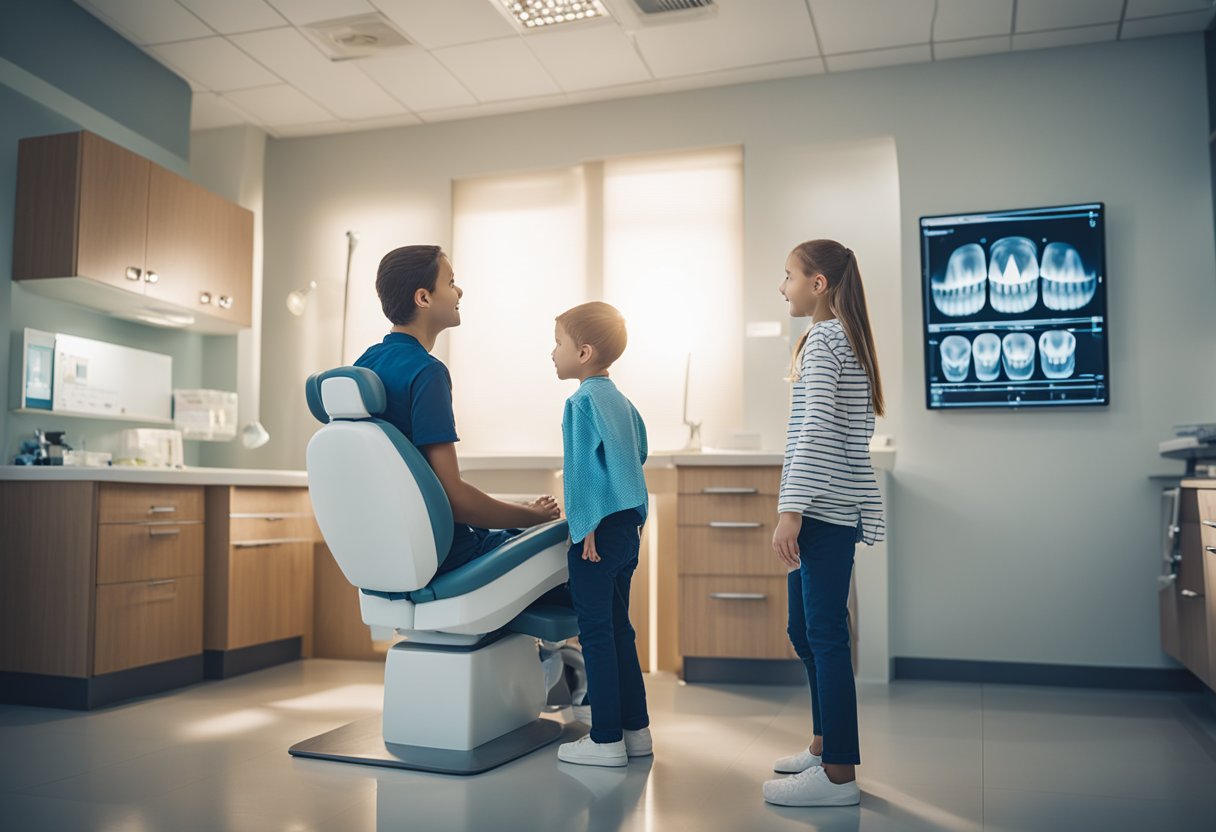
101, 591
259, 583
104, 227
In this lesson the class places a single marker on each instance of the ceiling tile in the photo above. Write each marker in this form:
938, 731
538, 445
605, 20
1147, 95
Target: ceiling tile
302, 12
208, 110
417, 80
495, 108
1149, 8
277, 105
744, 75
148, 21
1039, 15
959, 19
1170, 24
583, 58
230, 16
497, 70
337, 85
215, 64
944, 50
1066, 37
742, 33
878, 57
857, 25
437, 23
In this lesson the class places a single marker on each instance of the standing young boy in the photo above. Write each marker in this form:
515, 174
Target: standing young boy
604, 442
419, 295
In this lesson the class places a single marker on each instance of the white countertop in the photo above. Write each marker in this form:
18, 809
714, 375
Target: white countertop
883, 458
167, 476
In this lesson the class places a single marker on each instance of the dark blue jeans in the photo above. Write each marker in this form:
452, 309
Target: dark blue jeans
601, 601
819, 631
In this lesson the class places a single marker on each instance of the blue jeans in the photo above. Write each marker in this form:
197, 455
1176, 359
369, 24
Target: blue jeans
469, 542
819, 631
601, 602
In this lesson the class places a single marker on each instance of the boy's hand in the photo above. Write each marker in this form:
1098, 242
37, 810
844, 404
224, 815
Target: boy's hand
785, 538
589, 552
546, 508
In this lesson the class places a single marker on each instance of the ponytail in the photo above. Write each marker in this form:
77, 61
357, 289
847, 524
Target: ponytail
847, 300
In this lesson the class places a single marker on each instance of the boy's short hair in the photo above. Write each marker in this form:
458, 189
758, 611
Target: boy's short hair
402, 272
598, 324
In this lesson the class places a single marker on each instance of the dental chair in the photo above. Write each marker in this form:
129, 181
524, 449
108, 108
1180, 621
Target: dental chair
463, 689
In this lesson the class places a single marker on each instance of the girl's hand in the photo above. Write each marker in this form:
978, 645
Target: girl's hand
589, 552
546, 508
785, 538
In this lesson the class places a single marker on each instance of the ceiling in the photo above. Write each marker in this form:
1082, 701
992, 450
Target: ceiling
249, 62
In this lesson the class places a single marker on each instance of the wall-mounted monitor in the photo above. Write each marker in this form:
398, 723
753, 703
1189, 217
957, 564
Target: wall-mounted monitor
1015, 308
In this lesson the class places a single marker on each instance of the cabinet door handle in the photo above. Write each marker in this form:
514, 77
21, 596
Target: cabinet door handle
133, 273
1211, 549
204, 298
730, 490
151, 277
1190, 593
733, 524
1211, 524
154, 532
162, 510
737, 596
225, 301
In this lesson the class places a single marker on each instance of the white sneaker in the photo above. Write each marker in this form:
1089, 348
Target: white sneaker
797, 763
588, 752
639, 743
811, 788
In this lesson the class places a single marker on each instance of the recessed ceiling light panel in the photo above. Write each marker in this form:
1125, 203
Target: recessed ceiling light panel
540, 14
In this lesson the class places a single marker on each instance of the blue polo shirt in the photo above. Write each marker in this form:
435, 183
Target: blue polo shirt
419, 393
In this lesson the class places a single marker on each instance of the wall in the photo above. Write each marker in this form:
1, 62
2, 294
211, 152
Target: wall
95, 80
1016, 536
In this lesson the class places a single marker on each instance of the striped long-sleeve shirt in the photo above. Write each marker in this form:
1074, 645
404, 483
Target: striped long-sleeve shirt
827, 472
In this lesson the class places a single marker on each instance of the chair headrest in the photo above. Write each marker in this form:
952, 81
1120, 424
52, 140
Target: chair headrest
345, 393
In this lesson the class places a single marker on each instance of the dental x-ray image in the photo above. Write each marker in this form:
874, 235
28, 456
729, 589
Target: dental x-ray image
1015, 308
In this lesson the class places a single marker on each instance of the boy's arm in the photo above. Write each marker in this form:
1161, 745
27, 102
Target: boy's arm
474, 507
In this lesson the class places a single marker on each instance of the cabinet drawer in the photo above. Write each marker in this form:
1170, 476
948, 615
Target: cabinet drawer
271, 527
1207, 507
733, 617
706, 550
1193, 635
148, 551
146, 622
704, 509
269, 501
730, 480
269, 592
121, 503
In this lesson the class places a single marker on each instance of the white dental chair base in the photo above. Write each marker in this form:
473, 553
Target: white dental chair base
449, 709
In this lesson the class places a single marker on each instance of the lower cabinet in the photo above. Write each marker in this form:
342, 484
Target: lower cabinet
259, 577
1188, 600
101, 591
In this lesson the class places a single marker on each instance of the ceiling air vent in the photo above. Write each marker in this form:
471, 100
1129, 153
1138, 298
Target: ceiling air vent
354, 37
667, 6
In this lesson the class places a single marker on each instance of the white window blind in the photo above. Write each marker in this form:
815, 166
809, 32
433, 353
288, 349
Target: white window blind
659, 237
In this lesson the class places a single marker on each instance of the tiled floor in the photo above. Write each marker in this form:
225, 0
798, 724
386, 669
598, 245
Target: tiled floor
936, 756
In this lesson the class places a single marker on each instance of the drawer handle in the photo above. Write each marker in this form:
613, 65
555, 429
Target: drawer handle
730, 490
1190, 593
738, 596
1211, 549
274, 541
1211, 524
154, 532
165, 582
162, 510
733, 524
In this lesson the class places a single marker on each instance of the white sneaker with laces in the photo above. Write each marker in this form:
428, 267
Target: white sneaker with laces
797, 763
811, 788
588, 752
639, 743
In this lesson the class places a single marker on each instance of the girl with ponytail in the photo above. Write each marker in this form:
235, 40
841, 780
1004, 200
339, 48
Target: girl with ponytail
828, 502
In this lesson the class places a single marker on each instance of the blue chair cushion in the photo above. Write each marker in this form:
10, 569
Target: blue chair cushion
486, 568
551, 622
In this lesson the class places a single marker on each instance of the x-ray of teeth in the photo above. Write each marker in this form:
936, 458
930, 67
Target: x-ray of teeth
986, 353
1065, 284
1013, 275
1017, 354
956, 357
1058, 353
962, 290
